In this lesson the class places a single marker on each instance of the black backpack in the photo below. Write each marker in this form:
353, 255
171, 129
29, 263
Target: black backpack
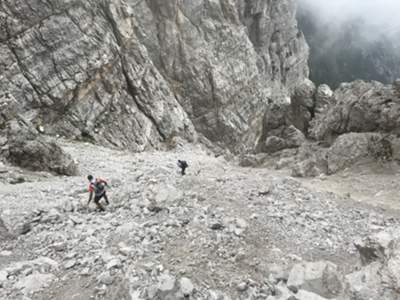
99, 187
183, 164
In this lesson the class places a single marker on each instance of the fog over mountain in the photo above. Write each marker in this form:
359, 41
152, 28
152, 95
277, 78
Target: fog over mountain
352, 39
382, 16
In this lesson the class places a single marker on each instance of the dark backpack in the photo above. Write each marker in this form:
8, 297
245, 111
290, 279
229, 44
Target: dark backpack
182, 164
99, 187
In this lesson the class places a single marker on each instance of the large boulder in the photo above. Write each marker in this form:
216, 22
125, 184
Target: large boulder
321, 278
376, 247
34, 283
289, 137
276, 119
307, 168
304, 94
351, 148
379, 278
284, 127
309, 161
302, 105
28, 149
366, 284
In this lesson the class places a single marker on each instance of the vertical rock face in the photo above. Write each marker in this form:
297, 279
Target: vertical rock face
65, 63
135, 73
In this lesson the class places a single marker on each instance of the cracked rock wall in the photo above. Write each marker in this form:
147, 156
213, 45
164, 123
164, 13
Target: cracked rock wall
134, 73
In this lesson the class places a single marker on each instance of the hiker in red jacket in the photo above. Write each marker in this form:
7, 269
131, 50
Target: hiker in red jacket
98, 188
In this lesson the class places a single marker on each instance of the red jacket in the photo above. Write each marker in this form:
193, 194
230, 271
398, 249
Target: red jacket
92, 185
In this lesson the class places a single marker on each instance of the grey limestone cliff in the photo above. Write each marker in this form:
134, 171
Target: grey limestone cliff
135, 73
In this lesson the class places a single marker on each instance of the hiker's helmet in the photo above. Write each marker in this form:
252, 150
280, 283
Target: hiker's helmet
90, 177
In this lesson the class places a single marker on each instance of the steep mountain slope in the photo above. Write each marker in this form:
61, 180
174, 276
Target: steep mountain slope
133, 74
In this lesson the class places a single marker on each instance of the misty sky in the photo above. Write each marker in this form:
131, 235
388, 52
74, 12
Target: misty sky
383, 15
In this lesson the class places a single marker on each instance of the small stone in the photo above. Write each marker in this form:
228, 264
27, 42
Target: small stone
105, 278
166, 283
152, 292
217, 226
125, 250
71, 255
187, 287
238, 231
264, 192
70, 264
75, 220
101, 291
85, 272
27, 271
60, 246
53, 216
40, 128
153, 207
241, 223
254, 216
241, 287
240, 256
201, 198
114, 263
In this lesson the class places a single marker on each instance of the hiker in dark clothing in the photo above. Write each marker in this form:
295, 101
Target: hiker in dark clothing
182, 164
98, 188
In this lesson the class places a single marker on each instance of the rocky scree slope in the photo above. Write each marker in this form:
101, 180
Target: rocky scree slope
133, 74
221, 232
